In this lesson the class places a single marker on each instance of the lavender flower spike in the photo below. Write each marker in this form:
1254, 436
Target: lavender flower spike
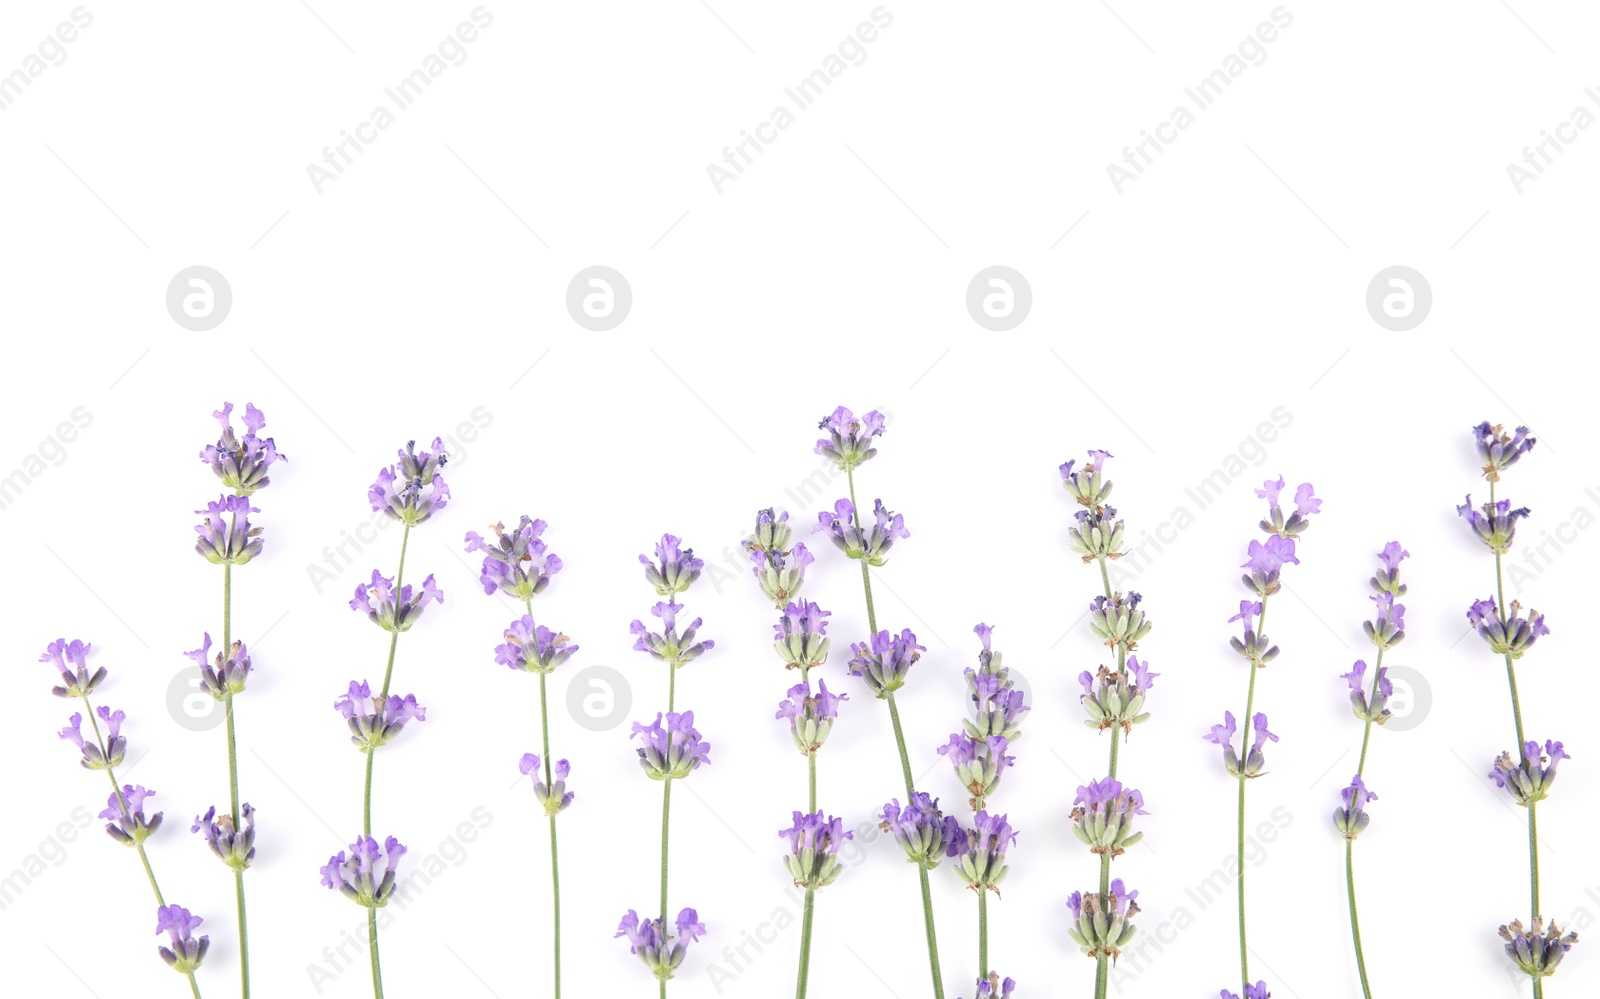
802, 635
234, 848
667, 645
922, 830
1537, 951
1087, 485
366, 875
186, 952
115, 742
1103, 816
884, 662
979, 763
124, 812
515, 563
849, 440
660, 951
1529, 780
1103, 925
811, 716
814, 841
554, 797
71, 660
390, 611
422, 490
1256, 991
1351, 817
1512, 637
780, 573
981, 852
242, 462
1116, 700
1500, 450
533, 647
1495, 523
226, 535
376, 720
1378, 711
772, 533
675, 568
226, 674
870, 544
994, 987
674, 751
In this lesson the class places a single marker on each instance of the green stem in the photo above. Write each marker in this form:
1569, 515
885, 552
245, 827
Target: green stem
1102, 969
1355, 924
1244, 723
1516, 712
666, 811
811, 764
372, 950
366, 796
983, 933
1366, 734
233, 781
805, 944
555, 865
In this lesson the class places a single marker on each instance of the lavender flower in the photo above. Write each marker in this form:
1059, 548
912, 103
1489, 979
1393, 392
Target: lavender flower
241, 463
414, 473
997, 707
517, 563
185, 953
116, 745
533, 647
675, 569
1500, 450
872, 543
1103, 815
554, 797
668, 645
71, 660
1378, 710
1256, 991
1086, 484
802, 635
994, 987
672, 752
1103, 924
1097, 534
1351, 818
849, 440
1118, 621
810, 715
366, 875
226, 535
814, 841
1306, 504
1114, 699
979, 763
660, 951
980, 853
1258, 650
226, 674
234, 848
124, 812
379, 602
1495, 523
772, 532
1512, 637
376, 720
922, 830
884, 662
1530, 779
780, 573
1537, 951
1222, 735
1388, 580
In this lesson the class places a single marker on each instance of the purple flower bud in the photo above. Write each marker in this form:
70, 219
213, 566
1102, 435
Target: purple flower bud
1087, 485
979, 763
884, 662
810, 716
814, 841
772, 532
226, 535
672, 752
377, 600
71, 660
981, 852
675, 568
226, 673
1512, 637
1103, 816
849, 440
1103, 924
802, 635
780, 572
1500, 450
241, 462
922, 830
1536, 951
236, 848
1256, 991
872, 543
554, 796
1494, 523
366, 875
422, 490
1529, 779
533, 647
1272, 555
1351, 818
125, 814
374, 719
668, 645
660, 951
186, 952
516, 563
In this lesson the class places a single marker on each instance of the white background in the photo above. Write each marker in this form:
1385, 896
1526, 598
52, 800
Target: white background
1168, 323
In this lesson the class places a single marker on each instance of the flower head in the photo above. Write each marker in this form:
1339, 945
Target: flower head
1306, 503
1539, 950
802, 635
674, 570
849, 440
780, 573
241, 462
1103, 815
1256, 991
1103, 924
922, 830
125, 818
226, 536
814, 842
366, 874
71, 660
668, 645
1116, 699
994, 987
1500, 450
412, 489
1514, 635
1351, 818
224, 674
811, 715
884, 660
92, 755
554, 796
533, 647
661, 951
1096, 532
234, 847
675, 750
1529, 779
1272, 555
1377, 708
375, 719
185, 952
1086, 484
980, 853
870, 544
1495, 522
1118, 620
772, 532
979, 763
515, 562
390, 611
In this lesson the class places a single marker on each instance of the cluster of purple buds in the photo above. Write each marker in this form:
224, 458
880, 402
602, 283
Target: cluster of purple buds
1494, 523
980, 852
116, 744
422, 491
1500, 450
1537, 951
1529, 780
234, 847
675, 568
1118, 620
802, 636
1377, 710
553, 796
979, 763
923, 832
780, 573
814, 842
997, 704
518, 563
668, 645
226, 673
1086, 484
661, 952
186, 952
811, 715
125, 818
1256, 991
226, 536
375, 720
994, 987
241, 463
1351, 817
1256, 649
849, 440
1305, 504
1513, 636
1223, 734
532, 647
884, 662
1103, 924
388, 610
366, 875
71, 660
871, 543
1097, 534
1117, 698
772, 533
1103, 815
674, 751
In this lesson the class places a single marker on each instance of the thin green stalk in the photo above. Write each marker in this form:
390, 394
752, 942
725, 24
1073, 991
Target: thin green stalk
1516, 712
805, 944
1249, 709
233, 781
811, 763
372, 949
1102, 970
555, 866
983, 934
1355, 924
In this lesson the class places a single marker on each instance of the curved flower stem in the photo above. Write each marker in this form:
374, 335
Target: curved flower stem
1516, 712
122, 802
1355, 925
1244, 723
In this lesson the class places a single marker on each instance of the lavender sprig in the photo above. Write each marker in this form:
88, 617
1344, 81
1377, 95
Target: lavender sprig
1510, 634
1266, 559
